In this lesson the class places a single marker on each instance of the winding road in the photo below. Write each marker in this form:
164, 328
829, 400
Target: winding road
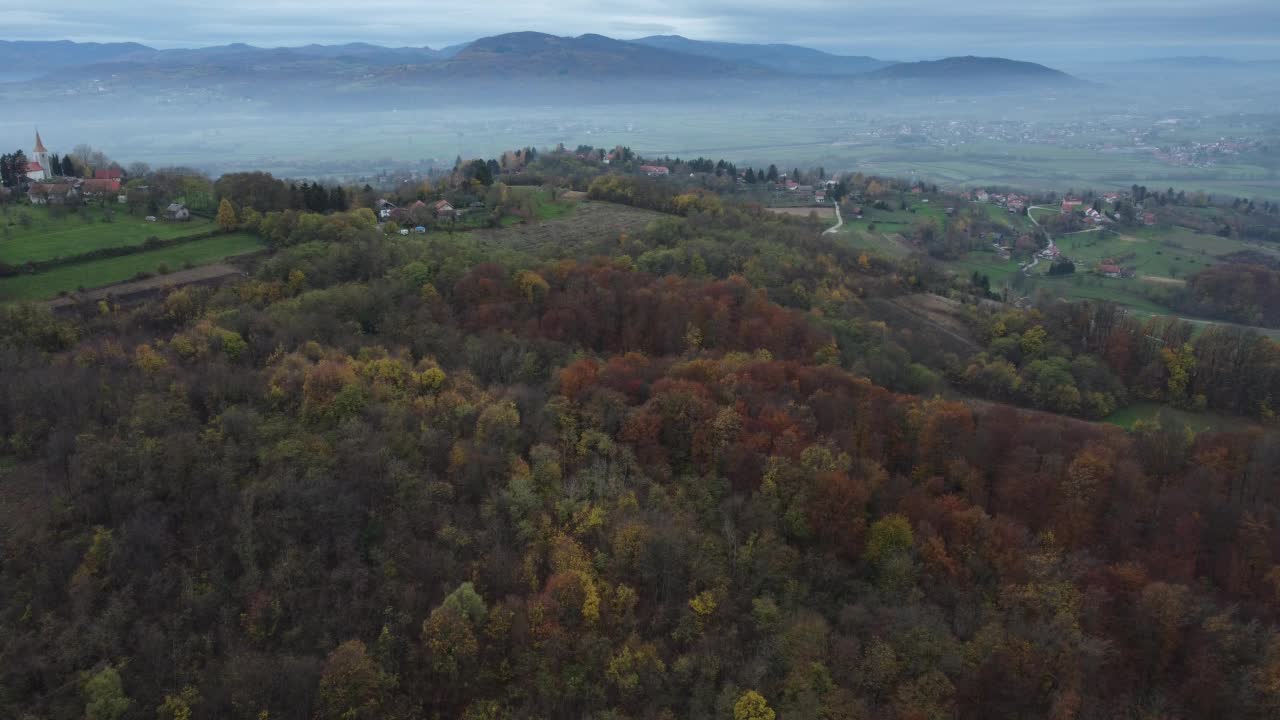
839, 222
1035, 259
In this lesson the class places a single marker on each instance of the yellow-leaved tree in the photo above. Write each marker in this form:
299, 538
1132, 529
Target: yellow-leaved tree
227, 219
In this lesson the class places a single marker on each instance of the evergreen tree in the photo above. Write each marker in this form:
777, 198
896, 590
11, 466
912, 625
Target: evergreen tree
481, 173
69, 167
338, 199
55, 165
773, 173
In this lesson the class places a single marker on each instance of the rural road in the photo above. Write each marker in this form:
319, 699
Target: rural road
1035, 259
839, 221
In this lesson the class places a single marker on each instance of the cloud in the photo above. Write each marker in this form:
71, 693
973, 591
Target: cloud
1030, 29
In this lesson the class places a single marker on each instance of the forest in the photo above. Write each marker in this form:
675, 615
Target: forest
684, 473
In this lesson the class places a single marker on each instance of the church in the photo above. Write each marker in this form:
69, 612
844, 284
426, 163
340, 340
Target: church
38, 168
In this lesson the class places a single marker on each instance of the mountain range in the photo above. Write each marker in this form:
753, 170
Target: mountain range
552, 66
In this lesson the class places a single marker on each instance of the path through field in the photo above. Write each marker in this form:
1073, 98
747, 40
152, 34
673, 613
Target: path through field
1035, 259
839, 221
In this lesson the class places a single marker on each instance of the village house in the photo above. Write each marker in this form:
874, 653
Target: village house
1148, 219
655, 170
1109, 269
177, 212
443, 209
97, 187
982, 196
1070, 205
384, 208
50, 193
112, 173
820, 196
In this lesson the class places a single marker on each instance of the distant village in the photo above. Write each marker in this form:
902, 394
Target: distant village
48, 179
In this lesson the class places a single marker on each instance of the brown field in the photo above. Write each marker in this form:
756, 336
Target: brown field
592, 226
934, 319
825, 213
127, 291
1160, 280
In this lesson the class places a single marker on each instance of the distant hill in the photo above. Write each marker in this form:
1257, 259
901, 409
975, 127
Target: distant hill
519, 67
970, 69
26, 59
783, 58
585, 56
64, 53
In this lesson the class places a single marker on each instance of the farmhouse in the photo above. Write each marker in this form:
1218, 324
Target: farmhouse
384, 208
1109, 269
50, 193
112, 173
1148, 218
655, 170
177, 211
100, 186
443, 209
1070, 205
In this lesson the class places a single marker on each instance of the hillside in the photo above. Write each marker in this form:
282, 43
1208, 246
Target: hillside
780, 57
972, 69
585, 56
520, 67
673, 465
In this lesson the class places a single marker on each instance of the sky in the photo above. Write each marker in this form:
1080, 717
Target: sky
1065, 31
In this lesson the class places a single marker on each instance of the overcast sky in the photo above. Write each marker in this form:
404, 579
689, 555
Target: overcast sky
1059, 32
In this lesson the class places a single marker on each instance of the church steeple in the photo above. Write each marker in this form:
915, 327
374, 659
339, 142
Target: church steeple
40, 158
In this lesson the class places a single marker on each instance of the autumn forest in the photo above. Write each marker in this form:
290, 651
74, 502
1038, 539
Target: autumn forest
706, 468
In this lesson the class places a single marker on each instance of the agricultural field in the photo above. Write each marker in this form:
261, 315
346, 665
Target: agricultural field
1155, 252
824, 213
572, 223
895, 219
96, 273
33, 234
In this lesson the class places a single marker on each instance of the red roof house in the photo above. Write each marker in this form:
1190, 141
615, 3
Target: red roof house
95, 186
108, 174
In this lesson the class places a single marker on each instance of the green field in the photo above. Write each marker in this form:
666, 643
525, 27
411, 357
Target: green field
1083, 287
895, 220
97, 273
1172, 418
47, 238
1159, 252
986, 263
